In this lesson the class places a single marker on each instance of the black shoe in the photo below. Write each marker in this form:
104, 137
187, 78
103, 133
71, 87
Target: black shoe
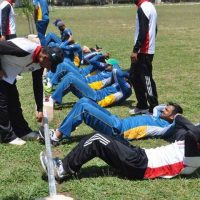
97, 47
34, 135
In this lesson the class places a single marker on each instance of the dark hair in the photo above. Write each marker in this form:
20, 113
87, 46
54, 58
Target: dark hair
56, 56
177, 108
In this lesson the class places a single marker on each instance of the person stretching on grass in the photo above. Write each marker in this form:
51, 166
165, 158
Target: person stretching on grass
180, 157
160, 124
119, 91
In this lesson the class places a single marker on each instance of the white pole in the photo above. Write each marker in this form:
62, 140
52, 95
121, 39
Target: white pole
51, 177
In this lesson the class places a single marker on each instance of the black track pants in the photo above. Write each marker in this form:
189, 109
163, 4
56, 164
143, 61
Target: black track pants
12, 122
143, 83
130, 160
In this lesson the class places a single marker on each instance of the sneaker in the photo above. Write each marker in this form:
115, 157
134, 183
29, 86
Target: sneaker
19, 77
59, 172
137, 111
44, 161
54, 140
17, 141
34, 135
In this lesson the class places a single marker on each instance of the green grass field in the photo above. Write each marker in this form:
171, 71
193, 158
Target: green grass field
176, 72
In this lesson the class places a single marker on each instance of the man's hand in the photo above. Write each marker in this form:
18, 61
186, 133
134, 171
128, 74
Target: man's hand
2, 38
109, 68
39, 116
2, 74
106, 55
133, 57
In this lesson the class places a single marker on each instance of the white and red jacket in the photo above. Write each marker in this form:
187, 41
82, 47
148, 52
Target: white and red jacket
146, 28
169, 161
7, 19
21, 55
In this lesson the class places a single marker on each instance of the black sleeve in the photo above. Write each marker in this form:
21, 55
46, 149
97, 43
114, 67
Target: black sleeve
143, 29
38, 88
5, 18
9, 48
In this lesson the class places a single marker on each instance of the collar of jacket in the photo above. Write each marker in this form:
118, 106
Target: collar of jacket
36, 53
140, 2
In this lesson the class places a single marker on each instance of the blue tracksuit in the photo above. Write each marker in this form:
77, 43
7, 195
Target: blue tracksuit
101, 120
52, 37
42, 18
97, 81
118, 91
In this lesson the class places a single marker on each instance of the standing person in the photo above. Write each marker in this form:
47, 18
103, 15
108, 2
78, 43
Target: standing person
41, 16
16, 56
7, 20
142, 57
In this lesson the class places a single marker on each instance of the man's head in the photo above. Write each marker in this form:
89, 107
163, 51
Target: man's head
170, 111
50, 57
60, 24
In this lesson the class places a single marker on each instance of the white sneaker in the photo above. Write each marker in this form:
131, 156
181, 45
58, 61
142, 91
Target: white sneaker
136, 111
31, 136
18, 77
59, 171
17, 141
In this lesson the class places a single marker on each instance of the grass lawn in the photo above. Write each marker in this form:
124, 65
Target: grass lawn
176, 72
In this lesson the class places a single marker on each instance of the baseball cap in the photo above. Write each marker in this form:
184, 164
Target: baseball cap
58, 22
56, 56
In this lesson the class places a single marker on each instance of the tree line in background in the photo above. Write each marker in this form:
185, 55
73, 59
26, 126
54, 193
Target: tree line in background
93, 2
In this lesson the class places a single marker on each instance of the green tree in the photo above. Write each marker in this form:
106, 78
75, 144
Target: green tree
27, 10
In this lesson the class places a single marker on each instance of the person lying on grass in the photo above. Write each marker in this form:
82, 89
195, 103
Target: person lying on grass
118, 91
180, 157
160, 124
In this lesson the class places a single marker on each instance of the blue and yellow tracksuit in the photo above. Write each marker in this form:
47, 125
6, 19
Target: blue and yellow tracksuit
52, 37
97, 81
42, 18
101, 120
117, 92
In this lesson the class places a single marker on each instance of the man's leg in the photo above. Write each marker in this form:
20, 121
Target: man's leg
41, 27
19, 124
52, 37
71, 83
139, 88
119, 77
148, 81
131, 161
6, 130
94, 116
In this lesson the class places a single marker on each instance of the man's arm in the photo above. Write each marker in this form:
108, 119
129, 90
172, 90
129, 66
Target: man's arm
38, 92
158, 109
143, 30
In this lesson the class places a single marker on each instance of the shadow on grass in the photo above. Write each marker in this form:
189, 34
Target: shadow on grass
127, 103
72, 139
64, 105
107, 171
90, 172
